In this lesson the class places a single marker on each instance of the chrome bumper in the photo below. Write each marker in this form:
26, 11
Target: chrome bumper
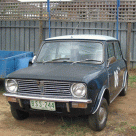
48, 99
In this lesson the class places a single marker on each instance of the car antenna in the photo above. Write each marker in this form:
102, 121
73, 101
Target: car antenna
76, 27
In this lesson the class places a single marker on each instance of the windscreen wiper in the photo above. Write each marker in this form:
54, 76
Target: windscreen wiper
56, 59
92, 60
86, 60
61, 59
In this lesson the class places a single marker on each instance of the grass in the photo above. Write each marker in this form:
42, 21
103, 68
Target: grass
132, 80
72, 130
133, 127
123, 123
73, 127
120, 129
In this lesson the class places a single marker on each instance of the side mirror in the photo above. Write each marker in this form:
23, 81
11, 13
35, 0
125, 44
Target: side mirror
111, 60
31, 61
34, 58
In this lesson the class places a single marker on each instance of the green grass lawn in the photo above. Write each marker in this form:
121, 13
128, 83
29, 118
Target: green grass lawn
132, 81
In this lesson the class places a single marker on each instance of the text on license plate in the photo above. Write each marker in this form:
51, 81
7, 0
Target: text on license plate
42, 105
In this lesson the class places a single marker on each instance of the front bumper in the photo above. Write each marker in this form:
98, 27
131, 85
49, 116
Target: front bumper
63, 105
43, 98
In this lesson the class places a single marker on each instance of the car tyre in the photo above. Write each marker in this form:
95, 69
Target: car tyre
97, 121
18, 114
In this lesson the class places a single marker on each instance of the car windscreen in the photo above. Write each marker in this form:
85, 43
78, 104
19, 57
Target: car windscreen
71, 51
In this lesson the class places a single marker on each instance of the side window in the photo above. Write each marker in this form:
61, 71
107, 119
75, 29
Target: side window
117, 51
110, 50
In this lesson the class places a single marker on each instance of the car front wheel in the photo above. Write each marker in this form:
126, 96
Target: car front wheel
18, 114
98, 120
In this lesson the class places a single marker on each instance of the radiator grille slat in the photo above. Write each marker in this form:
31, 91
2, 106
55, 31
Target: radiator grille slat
48, 88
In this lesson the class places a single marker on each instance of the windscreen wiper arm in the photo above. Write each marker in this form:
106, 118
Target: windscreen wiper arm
56, 59
92, 60
86, 60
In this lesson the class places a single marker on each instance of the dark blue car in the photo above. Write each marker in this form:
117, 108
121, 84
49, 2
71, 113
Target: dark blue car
71, 75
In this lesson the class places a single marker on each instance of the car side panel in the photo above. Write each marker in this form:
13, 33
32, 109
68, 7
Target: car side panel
113, 79
121, 67
96, 89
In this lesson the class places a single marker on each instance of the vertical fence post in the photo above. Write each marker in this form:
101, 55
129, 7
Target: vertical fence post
128, 44
48, 10
40, 31
117, 24
41, 24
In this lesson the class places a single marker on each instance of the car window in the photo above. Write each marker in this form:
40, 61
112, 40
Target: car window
117, 51
72, 51
110, 50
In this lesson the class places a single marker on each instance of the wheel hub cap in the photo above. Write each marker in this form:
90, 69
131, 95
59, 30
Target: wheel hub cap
102, 115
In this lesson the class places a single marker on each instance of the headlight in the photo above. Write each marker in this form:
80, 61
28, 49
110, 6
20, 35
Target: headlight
78, 90
11, 85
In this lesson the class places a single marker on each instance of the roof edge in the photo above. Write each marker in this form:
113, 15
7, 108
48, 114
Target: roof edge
86, 37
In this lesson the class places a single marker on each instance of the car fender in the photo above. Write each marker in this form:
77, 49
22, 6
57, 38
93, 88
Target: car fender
99, 99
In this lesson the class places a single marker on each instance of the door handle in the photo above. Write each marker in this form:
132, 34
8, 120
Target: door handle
110, 74
118, 68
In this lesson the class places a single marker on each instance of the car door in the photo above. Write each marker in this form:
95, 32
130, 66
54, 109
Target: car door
112, 70
121, 66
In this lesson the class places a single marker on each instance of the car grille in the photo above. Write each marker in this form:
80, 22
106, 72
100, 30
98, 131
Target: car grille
47, 88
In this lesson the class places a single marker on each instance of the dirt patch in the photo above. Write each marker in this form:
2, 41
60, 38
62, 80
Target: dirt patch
132, 72
121, 120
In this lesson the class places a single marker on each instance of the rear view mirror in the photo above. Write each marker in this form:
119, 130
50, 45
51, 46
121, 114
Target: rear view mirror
34, 58
111, 60
32, 61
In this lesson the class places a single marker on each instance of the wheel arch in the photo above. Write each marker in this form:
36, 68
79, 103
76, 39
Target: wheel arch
103, 93
106, 95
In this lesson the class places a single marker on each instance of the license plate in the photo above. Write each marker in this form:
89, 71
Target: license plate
42, 105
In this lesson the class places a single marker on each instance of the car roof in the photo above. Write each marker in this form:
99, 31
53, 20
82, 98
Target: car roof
83, 37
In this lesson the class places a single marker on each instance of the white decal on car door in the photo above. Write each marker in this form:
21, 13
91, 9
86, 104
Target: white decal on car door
116, 78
